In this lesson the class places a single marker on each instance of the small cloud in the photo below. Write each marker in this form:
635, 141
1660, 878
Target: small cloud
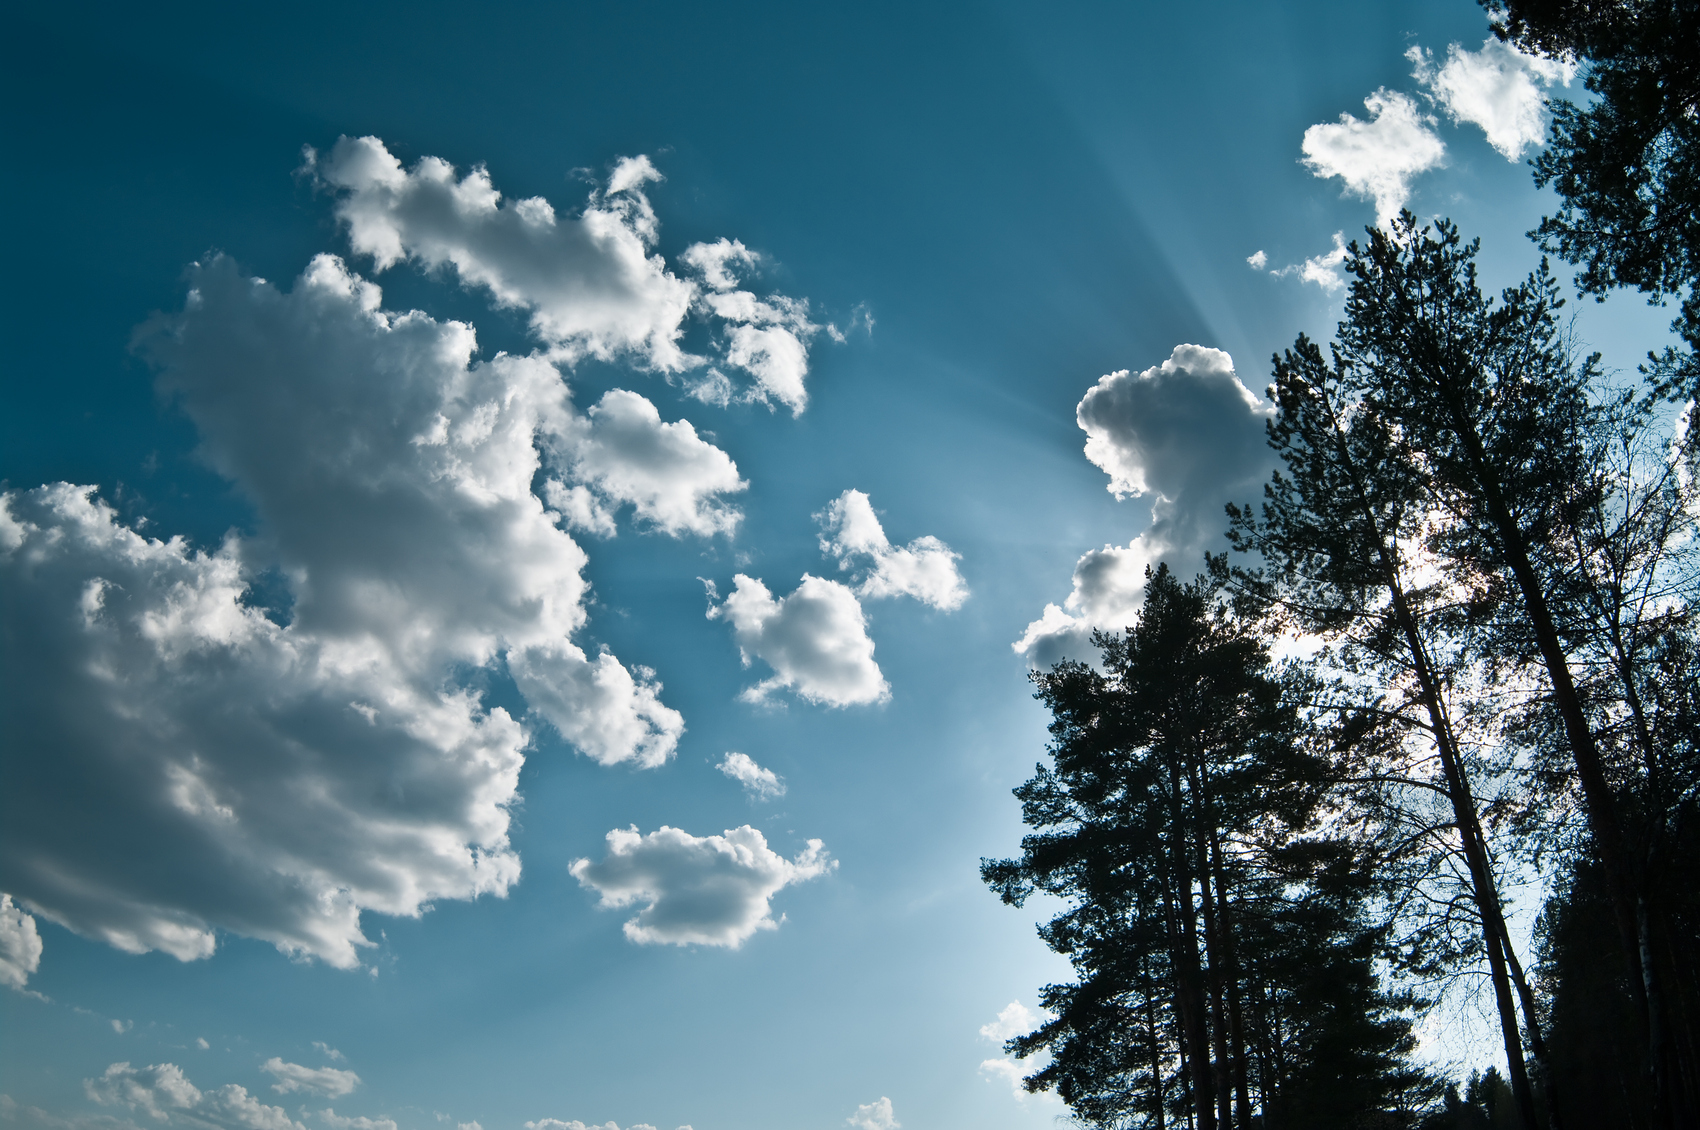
874, 1116
924, 569
201, 1042
337, 1122
696, 890
328, 1052
815, 639
327, 1081
121, 1026
1497, 88
1258, 260
1376, 158
1016, 1019
20, 945
763, 784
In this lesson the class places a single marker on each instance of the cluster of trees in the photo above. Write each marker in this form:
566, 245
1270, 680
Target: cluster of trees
1488, 546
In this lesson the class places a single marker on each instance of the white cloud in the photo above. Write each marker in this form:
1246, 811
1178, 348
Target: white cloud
338, 1122
1015, 1019
328, 1052
591, 282
293, 770
1189, 434
164, 1094
815, 639
876, 1115
20, 944
575, 1124
924, 569
1324, 270
763, 784
1376, 159
327, 1081
201, 1042
703, 890
672, 477
1258, 260
716, 261
1497, 88
1006, 1071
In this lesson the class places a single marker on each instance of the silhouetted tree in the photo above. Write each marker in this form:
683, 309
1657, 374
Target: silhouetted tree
1225, 956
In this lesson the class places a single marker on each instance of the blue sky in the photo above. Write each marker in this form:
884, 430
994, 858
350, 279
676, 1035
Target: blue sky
398, 793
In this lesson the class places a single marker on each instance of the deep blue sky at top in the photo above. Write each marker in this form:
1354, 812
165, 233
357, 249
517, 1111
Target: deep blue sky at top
1022, 198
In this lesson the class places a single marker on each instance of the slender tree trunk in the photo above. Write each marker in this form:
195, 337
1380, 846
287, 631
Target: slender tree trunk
1215, 947
1601, 805
1188, 976
1457, 786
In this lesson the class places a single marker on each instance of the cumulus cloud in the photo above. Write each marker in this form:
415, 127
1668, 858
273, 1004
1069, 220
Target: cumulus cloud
1015, 1019
328, 1052
1189, 434
575, 1124
924, 569
293, 764
815, 640
327, 1081
1258, 260
591, 282
876, 1115
1497, 88
701, 890
20, 945
1376, 158
163, 1094
763, 784
335, 1121
673, 478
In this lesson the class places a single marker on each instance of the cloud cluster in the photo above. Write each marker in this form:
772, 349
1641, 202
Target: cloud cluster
1376, 158
163, 1094
591, 282
816, 638
924, 569
876, 1115
331, 1082
20, 945
1189, 434
573, 1124
286, 719
1497, 88
696, 890
1015, 1019
762, 784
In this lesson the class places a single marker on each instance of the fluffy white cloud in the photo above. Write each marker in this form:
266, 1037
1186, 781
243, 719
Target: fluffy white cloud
876, 1115
1189, 434
575, 1124
20, 944
336, 1121
1497, 88
1376, 158
924, 569
328, 1081
164, 1094
672, 477
591, 282
1258, 260
703, 890
328, 1052
1015, 1019
764, 784
292, 766
816, 640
